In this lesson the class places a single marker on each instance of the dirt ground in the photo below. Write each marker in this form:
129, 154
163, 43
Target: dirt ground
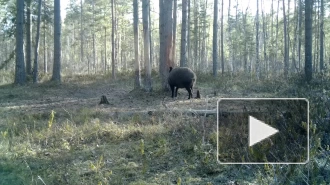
75, 94
136, 139
80, 98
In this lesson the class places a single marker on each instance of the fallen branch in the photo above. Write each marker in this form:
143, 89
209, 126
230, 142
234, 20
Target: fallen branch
165, 111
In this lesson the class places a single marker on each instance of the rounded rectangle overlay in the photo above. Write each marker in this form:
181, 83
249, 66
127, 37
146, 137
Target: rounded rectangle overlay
262, 131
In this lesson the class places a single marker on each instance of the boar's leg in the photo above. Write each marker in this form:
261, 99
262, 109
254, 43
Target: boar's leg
189, 91
172, 89
176, 91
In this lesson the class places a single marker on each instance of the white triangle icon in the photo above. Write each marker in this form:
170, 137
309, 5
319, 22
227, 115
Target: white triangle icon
259, 131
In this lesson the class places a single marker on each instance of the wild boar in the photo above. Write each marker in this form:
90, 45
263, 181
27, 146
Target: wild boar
181, 77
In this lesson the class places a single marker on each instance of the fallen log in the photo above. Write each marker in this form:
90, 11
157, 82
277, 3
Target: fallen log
161, 112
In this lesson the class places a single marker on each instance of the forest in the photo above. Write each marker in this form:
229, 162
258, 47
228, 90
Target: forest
87, 91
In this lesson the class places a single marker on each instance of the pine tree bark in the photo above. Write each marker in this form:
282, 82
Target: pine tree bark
28, 38
257, 43
57, 42
264, 33
215, 38
276, 36
175, 4
20, 73
137, 81
105, 50
165, 36
81, 34
316, 38
146, 41
45, 46
286, 49
150, 38
221, 47
195, 34
295, 31
36, 48
245, 42
308, 40
322, 36
183, 50
230, 42
271, 53
113, 39
300, 33
188, 34
203, 55
93, 36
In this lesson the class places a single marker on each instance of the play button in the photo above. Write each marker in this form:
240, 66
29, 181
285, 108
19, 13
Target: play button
259, 131
262, 131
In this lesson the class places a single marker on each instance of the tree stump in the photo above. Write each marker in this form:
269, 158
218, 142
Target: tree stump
198, 96
104, 100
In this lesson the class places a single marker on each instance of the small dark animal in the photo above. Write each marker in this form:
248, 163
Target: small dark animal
181, 77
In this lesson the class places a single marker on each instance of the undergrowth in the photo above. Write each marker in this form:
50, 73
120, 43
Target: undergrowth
88, 145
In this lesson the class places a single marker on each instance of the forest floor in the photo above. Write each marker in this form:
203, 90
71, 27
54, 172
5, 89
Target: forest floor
60, 134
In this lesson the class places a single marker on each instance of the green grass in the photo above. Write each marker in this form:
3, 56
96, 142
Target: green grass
86, 143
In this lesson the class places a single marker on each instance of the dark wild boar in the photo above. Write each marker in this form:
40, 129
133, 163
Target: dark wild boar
181, 77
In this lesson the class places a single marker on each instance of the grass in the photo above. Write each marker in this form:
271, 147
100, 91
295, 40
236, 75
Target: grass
58, 134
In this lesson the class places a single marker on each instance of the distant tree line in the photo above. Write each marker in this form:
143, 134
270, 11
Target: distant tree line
97, 36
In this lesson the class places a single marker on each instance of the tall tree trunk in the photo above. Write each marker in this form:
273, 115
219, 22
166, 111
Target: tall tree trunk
300, 33
117, 36
203, 52
150, 38
276, 36
215, 38
113, 39
88, 59
137, 78
188, 35
45, 46
308, 40
271, 53
36, 48
288, 33
294, 45
105, 50
257, 42
245, 42
235, 49
165, 36
286, 50
118, 47
174, 30
20, 74
57, 42
145, 17
221, 47
230, 42
74, 60
316, 38
93, 36
183, 50
322, 37
28, 38
81, 35
264, 30
169, 34
195, 34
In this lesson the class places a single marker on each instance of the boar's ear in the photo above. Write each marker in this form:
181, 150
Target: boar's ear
170, 69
